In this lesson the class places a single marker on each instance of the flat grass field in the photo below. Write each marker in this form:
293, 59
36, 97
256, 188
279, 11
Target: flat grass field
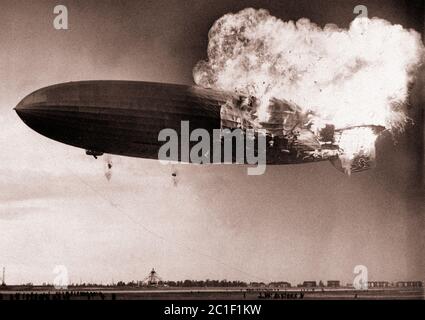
39, 293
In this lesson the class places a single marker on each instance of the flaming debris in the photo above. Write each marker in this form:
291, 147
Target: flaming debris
298, 79
108, 167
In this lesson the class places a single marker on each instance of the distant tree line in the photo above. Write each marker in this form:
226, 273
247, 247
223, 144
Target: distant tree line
205, 283
188, 283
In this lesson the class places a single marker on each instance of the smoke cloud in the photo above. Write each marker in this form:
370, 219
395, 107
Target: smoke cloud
353, 77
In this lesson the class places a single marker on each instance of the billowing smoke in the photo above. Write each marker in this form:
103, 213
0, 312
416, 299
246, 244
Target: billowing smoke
353, 77
347, 78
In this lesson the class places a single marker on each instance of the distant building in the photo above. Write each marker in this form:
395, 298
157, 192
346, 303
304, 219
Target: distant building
281, 284
409, 284
309, 284
334, 284
257, 284
378, 284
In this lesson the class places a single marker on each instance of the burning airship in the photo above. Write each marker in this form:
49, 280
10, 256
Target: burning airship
312, 93
126, 118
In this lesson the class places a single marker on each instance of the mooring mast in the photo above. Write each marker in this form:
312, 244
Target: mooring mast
152, 279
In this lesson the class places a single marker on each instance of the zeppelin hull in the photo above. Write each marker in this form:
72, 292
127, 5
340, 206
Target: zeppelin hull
126, 118
119, 117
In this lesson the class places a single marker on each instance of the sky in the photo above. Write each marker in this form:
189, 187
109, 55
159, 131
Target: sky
294, 223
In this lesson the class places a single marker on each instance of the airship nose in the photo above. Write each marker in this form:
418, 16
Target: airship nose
22, 110
60, 113
29, 108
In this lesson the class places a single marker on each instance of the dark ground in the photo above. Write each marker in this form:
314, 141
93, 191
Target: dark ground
212, 294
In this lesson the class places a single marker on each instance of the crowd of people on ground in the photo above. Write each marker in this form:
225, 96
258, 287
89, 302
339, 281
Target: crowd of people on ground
68, 295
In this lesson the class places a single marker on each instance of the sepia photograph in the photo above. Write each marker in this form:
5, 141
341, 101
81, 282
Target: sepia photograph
227, 150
